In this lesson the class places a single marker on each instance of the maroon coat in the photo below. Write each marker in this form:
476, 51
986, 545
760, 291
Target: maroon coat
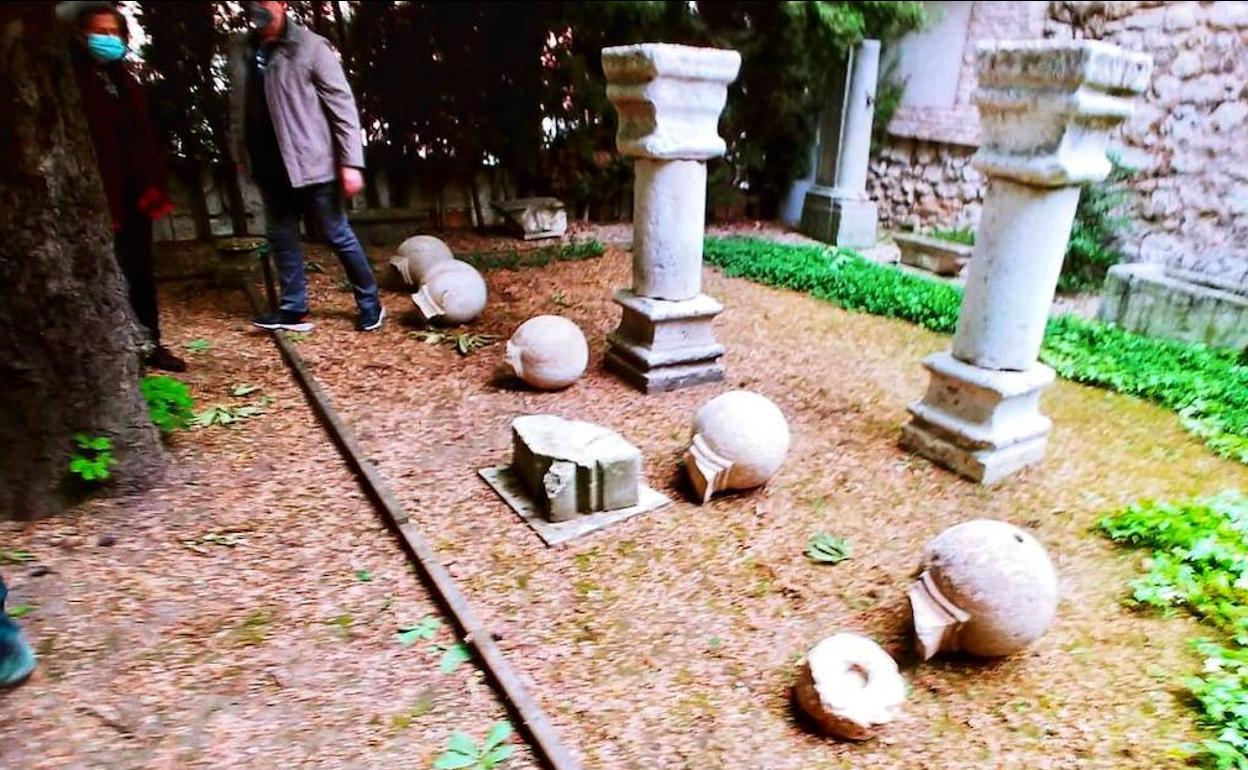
127, 149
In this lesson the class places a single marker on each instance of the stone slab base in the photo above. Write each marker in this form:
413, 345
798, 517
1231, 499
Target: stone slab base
829, 217
984, 466
664, 345
533, 218
1145, 299
981, 423
507, 484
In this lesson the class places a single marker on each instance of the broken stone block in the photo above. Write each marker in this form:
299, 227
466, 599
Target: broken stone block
849, 687
570, 467
740, 440
417, 255
534, 218
987, 588
548, 352
452, 292
932, 254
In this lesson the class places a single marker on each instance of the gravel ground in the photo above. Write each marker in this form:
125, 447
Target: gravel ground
224, 620
667, 641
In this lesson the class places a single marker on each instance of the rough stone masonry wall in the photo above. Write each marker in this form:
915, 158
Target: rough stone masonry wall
1189, 136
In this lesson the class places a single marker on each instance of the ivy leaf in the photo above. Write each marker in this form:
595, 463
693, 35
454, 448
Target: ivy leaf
498, 756
20, 611
828, 549
500, 732
461, 743
364, 576
455, 656
425, 629
453, 761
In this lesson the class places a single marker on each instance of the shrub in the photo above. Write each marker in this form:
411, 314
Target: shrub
94, 458
962, 235
1207, 387
1097, 227
169, 402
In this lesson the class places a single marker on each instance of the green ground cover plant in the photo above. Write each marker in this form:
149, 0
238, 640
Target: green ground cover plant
1207, 387
1199, 564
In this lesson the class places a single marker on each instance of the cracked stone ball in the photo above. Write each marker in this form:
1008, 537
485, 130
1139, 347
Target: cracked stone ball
548, 352
986, 588
417, 255
452, 293
849, 687
740, 440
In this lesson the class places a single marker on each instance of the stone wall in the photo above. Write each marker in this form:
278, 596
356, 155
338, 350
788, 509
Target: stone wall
1189, 137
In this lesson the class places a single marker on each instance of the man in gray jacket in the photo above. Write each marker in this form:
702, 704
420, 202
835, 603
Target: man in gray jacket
295, 121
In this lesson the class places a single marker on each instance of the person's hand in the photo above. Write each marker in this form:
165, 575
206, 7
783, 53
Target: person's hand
155, 203
352, 181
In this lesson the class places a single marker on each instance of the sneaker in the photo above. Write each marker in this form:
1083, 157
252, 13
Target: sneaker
370, 320
17, 660
161, 358
282, 319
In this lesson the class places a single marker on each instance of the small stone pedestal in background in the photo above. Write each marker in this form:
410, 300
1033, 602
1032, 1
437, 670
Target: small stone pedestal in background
1046, 108
533, 218
669, 99
837, 209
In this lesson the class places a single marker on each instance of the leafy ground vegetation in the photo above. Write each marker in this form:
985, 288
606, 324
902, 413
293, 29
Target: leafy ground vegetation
1207, 387
1199, 564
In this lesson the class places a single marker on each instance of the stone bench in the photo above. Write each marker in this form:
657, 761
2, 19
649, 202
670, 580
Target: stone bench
1152, 300
932, 254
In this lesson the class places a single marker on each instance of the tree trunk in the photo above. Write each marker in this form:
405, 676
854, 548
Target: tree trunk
68, 339
476, 199
341, 28
234, 192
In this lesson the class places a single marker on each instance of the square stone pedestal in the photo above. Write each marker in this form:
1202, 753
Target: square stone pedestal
664, 345
981, 423
830, 216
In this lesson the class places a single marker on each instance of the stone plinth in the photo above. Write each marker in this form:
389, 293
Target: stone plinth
570, 467
533, 218
934, 255
837, 209
1149, 299
1046, 108
669, 99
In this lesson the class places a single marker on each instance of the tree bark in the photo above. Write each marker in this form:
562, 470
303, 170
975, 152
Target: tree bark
68, 340
191, 174
341, 28
476, 200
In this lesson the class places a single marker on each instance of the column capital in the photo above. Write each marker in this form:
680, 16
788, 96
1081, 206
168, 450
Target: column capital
669, 98
1047, 107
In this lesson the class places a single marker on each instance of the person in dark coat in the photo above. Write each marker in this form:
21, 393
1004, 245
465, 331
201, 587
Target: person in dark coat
131, 166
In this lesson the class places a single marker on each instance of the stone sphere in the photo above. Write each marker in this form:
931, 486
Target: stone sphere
451, 292
740, 440
548, 352
849, 687
987, 588
419, 253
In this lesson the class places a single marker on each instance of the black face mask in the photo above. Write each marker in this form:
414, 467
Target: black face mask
260, 16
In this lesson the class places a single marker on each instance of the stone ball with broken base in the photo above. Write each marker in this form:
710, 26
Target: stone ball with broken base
987, 588
849, 687
548, 352
451, 293
740, 440
417, 255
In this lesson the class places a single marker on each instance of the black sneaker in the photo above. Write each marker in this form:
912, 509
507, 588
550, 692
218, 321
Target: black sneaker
162, 359
370, 320
282, 319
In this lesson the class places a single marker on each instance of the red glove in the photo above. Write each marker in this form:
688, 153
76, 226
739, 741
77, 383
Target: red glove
155, 203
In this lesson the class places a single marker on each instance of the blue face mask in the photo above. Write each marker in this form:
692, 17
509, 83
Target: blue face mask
106, 48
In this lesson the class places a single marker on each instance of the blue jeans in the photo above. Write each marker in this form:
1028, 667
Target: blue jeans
283, 210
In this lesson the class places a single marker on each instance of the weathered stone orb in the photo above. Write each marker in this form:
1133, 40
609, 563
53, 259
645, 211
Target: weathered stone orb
849, 687
451, 293
987, 588
548, 352
417, 255
740, 440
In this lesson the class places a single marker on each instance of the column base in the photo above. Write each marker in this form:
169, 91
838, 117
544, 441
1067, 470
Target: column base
981, 423
830, 216
664, 345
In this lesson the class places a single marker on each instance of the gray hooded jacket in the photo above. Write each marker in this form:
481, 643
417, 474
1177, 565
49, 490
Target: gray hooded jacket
314, 114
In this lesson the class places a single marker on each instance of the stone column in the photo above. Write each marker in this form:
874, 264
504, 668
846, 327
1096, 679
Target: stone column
1046, 111
669, 98
837, 209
